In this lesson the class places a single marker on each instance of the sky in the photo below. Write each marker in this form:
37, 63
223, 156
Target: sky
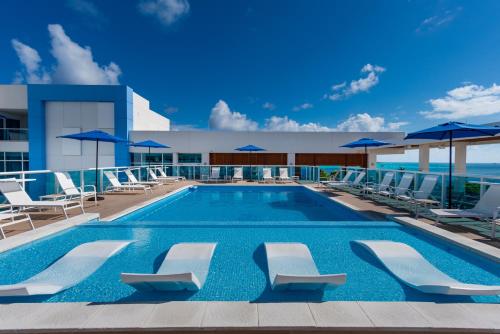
281, 65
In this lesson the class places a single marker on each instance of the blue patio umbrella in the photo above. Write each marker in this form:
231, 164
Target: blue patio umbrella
365, 142
97, 136
250, 149
450, 131
149, 144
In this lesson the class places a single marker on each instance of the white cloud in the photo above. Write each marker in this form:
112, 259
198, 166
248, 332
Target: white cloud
74, 64
84, 7
276, 123
303, 106
222, 118
268, 106
166, 11
467, 101
343, 90
433, 22
33, 73
171, 109
184, 127
366, 123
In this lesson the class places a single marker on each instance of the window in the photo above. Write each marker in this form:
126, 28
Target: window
189, 158
138, 159
14, 161
167, 158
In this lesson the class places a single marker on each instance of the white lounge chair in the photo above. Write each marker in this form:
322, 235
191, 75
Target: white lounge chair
185, 267
356, 183
487, 207
133, 180
17, 197
238, 174
422, 196
71, 191
401, 189
165, 176
292, 267
410, 267
160, 179
8, 218
283, 177
214, 174
343, 182
267, 175
74, 267
117, 186
374, 188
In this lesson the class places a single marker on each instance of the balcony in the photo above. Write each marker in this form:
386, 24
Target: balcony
19, 134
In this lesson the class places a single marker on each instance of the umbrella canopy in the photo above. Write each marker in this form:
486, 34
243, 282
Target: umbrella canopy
450, 131
250, 148
149, 144
97, 136
365, 142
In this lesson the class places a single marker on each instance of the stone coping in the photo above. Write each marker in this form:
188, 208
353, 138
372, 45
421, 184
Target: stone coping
198, 316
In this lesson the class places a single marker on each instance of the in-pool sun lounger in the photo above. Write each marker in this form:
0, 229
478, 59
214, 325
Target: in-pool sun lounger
78, 264
292, 267
185, 268
414, 270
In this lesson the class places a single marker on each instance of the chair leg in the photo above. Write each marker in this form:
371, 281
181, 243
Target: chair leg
31, 222
65, 213
1, 231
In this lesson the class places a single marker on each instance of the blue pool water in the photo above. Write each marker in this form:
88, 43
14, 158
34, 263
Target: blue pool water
240, 220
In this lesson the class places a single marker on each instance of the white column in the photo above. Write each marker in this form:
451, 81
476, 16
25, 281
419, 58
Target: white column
423, 157
372, 160
175, 158
460, 157
205, 158
291, 159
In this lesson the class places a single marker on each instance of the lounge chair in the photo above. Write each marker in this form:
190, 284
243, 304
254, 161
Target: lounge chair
74, 267
185, 267
8, 218
116, 186
292, 267
410, 267
374, 188
422, 196
283, 177
165, 176
356, 183
133, 180
214, 174
160, 179
487, 207
17, 197
267, 175
71, 191
343, 182
238, 174
401, 189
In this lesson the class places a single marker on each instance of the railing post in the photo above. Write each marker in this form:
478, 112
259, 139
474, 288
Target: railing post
101, 180
443, 191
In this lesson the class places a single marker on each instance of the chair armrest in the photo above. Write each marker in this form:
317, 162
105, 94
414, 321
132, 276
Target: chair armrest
496, 213
90, 186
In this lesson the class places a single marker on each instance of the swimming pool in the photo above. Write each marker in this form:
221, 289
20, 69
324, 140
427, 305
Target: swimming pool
240, 220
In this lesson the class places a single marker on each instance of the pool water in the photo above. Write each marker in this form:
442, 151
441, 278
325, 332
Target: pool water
239, 269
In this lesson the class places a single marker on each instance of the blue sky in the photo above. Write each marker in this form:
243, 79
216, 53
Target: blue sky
269, 65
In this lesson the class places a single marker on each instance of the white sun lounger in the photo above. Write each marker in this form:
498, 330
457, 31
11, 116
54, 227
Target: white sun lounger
214, 174
161, 179
74, 267
184, 268
422, 196
8, 218
163, 175
356, 183
343, 182
133, 180
17, 197
401, 189
267, 175
292, 267
414, 270
238, 174
71, 191
374, 188
284, 175
117, 186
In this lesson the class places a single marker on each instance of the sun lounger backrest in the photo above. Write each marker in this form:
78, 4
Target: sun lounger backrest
131, 176
13, 192
238, 173
386, 181
284, 173
66, 183
347, 176
112, 179
489, 201
359, 178
215, 172
152, 174
267, 173
162, 173
404, 183
426, 187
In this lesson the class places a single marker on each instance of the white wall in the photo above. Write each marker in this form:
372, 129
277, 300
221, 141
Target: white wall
72, 117
145, 119
14, 97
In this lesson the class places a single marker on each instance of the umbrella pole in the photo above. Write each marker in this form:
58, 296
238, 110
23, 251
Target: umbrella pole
450, 179
149, 162
366, 163
99, 198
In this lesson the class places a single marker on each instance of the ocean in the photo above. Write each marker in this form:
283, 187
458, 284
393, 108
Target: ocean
486, 169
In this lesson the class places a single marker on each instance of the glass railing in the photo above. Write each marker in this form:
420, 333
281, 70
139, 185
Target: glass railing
14, 134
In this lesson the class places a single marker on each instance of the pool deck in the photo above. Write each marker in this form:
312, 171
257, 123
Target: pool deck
207, 317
